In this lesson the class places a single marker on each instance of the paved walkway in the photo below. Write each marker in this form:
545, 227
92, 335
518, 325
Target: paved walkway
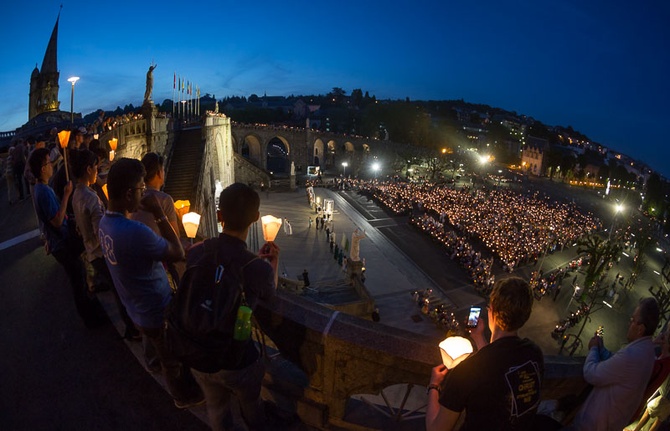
390, 275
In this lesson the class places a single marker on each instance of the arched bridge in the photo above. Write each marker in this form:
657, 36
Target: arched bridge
274, 148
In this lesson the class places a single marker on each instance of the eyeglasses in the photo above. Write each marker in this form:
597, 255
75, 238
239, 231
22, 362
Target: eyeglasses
142, 189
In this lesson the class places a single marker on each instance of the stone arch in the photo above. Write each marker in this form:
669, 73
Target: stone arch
348, 147
318, 154
278, 155
251, 149
330, 155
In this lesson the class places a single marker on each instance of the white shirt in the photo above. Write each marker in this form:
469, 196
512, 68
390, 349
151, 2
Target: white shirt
618, 385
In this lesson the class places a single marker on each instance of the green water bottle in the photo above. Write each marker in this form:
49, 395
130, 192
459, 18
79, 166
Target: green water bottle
242, 330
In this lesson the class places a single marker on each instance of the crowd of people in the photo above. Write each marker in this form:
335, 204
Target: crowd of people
127, 234
517, 228
459, 249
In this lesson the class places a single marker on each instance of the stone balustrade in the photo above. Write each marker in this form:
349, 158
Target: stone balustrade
339, 355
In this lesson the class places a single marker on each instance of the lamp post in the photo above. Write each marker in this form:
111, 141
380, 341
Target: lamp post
344, 168
617, 209
73, 80
483, 160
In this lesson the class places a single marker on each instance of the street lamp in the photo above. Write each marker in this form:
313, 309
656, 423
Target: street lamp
617, 209
73, 80
375, 168
344, 168
483, 160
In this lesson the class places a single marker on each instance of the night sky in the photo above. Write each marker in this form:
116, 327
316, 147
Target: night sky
599, 66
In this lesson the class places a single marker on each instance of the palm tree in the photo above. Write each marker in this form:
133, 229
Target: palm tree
601, 253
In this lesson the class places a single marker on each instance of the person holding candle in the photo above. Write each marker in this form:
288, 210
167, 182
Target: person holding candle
134, 256
238, 210
499, 385
53, 224
89, 209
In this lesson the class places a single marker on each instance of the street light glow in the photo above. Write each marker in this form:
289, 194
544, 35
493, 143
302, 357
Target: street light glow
375, 167
73, 80
483, 159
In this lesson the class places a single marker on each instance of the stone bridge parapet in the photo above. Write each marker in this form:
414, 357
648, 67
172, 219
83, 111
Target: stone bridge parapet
342, 356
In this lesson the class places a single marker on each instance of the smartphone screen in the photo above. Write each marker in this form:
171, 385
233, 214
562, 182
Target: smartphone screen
473, 318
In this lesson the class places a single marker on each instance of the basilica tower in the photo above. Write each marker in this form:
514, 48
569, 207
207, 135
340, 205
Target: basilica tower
44, 84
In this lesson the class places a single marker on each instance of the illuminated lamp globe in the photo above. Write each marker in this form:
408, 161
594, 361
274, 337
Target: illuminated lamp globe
191, 221
455, 350
271, 225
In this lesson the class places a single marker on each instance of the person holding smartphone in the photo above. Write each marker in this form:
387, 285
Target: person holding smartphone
499, 385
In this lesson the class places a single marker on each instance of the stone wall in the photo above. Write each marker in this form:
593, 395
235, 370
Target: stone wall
341, 355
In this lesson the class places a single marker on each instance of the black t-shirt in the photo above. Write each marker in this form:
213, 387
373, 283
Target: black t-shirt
498, 386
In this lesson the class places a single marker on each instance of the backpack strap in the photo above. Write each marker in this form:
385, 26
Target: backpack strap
212, 254
241, 280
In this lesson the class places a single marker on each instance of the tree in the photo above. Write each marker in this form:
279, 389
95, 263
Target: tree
436, 163
644, 242
601, 253
336, 96
654, 196
356, 98
553, 161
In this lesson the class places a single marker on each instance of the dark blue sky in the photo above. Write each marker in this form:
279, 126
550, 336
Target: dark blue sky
600, 66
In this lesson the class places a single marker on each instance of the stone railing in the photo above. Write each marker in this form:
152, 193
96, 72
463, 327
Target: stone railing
248, 173
132, 138
339, 356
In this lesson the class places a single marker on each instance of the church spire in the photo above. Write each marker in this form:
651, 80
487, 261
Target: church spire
50, 62
44, 83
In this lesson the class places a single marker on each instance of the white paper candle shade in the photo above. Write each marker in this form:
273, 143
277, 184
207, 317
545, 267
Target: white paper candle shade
271, 225
191, 221
454, 350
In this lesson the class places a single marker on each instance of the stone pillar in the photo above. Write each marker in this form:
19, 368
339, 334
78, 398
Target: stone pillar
149, 112
354, 269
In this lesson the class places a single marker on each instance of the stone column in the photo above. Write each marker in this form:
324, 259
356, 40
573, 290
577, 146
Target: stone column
354, 269
149, 112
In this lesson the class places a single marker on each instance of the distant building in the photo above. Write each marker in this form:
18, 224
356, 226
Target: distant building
533, 160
